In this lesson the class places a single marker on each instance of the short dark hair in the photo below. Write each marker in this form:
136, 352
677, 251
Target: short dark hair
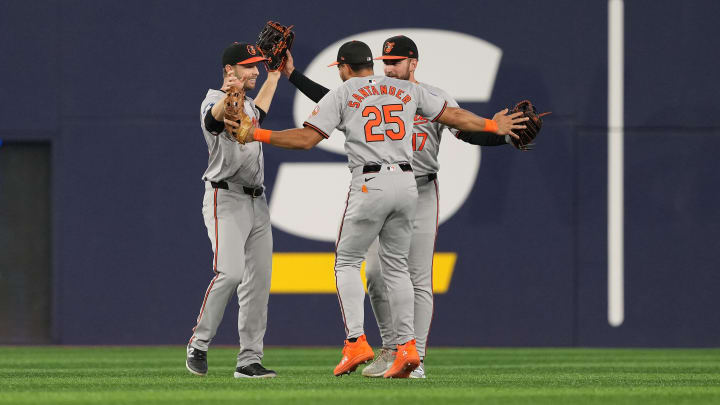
357, 67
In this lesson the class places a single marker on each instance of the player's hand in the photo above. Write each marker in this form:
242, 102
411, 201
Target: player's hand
506, 123
237, 132
231, 80
232, 124
289, 64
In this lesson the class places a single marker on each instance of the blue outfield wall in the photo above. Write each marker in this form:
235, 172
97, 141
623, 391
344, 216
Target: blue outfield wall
115, 86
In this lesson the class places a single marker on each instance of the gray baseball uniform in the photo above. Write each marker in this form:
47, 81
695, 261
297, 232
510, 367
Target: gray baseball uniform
238, 223
426, 144
376, 113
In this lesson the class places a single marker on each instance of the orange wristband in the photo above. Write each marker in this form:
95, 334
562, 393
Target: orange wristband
262, 135
490, 126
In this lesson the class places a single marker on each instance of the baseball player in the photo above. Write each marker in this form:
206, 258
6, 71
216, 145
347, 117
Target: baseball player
237, 220
376, 113
400, 55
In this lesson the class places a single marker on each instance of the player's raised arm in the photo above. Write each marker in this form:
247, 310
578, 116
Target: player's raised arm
267, 91
464, 120
312, 90
229, 80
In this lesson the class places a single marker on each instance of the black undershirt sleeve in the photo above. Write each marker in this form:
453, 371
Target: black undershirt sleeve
481, 138
309, 88
211, 124
215, 127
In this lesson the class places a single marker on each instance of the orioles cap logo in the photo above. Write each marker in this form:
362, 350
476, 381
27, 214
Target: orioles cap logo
316, 110
388, 47
251, 50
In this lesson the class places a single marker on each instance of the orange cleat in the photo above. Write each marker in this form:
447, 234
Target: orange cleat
354, 354
406, 361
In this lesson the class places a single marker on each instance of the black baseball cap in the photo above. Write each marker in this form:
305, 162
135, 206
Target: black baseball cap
399, 47
240, 53
353, 52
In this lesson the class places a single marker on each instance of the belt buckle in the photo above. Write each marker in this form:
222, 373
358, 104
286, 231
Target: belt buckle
257, 192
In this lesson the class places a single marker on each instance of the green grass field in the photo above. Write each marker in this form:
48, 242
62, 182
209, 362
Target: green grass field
157, 375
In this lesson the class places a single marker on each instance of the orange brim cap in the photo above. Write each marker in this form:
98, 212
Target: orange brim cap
252, 60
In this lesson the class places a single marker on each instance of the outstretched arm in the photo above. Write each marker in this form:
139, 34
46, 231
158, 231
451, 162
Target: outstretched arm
464, 120
296, 138
312, 90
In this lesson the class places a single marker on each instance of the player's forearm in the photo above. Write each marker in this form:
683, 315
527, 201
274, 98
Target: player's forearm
218, 110
267, 91
466, 121
482, 138
312, 90
297, 138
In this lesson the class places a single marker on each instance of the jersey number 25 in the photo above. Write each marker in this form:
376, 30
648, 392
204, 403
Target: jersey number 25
377, 119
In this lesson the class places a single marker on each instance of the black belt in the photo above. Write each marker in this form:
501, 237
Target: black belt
376, 168
252, 191
430, 177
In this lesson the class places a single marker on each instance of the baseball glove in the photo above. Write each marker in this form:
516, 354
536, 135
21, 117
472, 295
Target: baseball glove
273, 41
533, 125
234, 111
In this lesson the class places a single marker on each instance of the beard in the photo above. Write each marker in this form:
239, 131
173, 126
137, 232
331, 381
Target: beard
401, 75
250, 85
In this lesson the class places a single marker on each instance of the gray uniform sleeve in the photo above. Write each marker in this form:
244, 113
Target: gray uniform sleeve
429, 104
211, 124
451, 103
327, 114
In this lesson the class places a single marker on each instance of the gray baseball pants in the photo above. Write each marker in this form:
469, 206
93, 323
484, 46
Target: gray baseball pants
238, 226
380, 205
422, 248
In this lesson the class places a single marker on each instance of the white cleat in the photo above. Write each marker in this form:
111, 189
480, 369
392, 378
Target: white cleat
381, 364
419, 372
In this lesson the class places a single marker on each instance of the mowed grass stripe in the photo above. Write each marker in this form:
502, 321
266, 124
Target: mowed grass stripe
157, 375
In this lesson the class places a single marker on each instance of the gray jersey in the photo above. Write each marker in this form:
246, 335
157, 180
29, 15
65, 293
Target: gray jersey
427, 136
230, 161
376, 113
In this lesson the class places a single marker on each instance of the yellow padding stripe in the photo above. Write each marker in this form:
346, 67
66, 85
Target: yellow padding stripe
313, 273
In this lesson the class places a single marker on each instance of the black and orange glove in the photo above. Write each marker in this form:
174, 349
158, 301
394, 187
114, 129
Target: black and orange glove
273, 41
